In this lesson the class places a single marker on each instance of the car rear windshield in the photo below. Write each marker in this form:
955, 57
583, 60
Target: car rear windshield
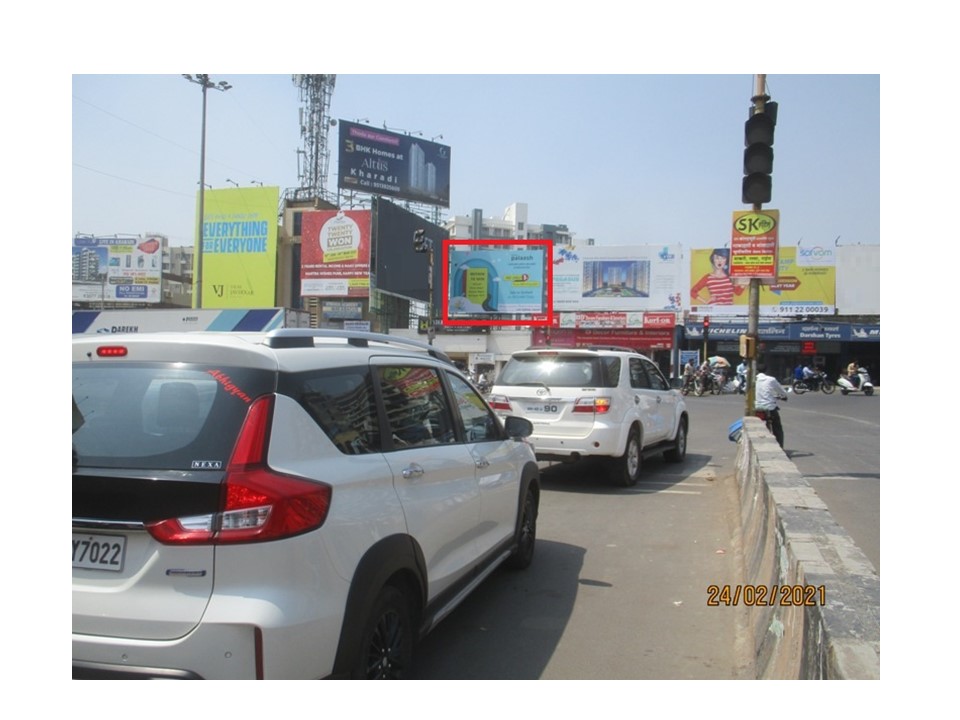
561, 371
161, 416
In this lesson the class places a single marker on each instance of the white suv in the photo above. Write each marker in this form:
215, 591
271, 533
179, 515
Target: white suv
597, 402
296, 504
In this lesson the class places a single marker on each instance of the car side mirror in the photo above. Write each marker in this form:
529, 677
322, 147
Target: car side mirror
518, 427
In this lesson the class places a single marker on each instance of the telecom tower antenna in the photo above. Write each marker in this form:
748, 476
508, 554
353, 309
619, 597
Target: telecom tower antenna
313, 157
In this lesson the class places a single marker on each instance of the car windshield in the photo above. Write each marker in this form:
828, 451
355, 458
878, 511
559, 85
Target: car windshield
160, 416
561, 371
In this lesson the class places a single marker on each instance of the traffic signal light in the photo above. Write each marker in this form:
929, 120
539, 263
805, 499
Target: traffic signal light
706, 327
758, 155
421, 243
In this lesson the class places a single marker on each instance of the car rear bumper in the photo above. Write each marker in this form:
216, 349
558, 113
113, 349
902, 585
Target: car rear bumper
602, 441
209, 652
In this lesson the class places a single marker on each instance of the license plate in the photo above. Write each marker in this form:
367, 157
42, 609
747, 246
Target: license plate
542, 408
99, 552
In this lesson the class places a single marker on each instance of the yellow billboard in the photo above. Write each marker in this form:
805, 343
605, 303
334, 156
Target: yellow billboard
805, 284
239, 247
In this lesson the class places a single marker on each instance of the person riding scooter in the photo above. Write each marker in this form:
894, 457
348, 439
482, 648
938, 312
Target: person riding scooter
853, 373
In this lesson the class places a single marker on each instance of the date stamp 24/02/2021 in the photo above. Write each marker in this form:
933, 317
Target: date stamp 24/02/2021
764, 596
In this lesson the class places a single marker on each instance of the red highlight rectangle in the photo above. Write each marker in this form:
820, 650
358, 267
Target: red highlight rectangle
542, 319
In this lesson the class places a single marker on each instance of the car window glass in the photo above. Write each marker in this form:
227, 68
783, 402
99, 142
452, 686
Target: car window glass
638, 376
416, 406
479, 423
342, 403
553, 371
161, 416
611, 371
657, 381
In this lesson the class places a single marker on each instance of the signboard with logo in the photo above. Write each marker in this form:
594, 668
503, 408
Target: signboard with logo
753, 245
646, 320
335, 253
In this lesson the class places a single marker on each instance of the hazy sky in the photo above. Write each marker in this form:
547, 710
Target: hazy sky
624, 159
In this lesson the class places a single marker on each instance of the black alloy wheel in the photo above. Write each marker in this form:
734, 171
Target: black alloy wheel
386, 651
523, 555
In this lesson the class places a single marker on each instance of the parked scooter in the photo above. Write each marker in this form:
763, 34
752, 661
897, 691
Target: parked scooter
858, 383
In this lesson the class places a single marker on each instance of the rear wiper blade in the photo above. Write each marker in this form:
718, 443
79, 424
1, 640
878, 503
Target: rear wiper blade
536, 383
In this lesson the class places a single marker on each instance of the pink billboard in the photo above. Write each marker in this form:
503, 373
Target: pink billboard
335, 253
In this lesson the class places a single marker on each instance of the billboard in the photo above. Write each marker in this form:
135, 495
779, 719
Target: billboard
483, 280
386, 163
335, 253
117, 269
239, 247
805, 284
636, 278
858, 278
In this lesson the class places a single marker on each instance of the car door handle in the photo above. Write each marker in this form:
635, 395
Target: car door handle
659, 399
483, 463
412, 470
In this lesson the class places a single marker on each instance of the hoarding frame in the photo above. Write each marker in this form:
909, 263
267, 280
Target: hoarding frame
544, 319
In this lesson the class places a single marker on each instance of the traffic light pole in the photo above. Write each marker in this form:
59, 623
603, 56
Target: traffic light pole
753, 313
431, 328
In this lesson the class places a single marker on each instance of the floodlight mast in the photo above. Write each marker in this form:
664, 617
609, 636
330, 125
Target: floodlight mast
205, 84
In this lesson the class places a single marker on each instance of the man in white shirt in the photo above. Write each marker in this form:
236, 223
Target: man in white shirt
768, 393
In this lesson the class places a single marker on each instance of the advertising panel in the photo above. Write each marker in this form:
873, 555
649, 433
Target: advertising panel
858, 278
335, 253
753, 246
645, 277
239, 247
484, 281
108, 322
386, 163
801, 287
117, 269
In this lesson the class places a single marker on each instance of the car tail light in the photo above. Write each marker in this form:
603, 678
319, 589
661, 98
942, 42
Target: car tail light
499, 402
598, 405
258, 504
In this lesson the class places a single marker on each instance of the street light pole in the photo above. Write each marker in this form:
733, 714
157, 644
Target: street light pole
205, 84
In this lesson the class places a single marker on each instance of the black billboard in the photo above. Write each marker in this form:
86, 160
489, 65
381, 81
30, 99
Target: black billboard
386, 163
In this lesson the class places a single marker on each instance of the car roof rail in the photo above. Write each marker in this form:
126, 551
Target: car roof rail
616, 348
304, 337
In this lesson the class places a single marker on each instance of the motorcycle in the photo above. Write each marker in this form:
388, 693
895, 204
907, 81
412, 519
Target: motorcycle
705, 382
819, 381
860, 383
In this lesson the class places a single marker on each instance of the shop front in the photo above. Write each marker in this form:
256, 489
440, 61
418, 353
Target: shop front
656, 342
826, 345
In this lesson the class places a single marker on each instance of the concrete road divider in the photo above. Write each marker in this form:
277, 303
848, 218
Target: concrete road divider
812, 596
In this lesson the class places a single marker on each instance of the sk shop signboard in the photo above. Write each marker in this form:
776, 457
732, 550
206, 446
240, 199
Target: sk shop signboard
753, 244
